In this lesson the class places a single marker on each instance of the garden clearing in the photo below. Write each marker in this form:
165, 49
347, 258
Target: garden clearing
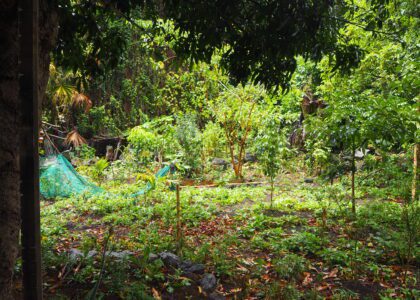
293, 249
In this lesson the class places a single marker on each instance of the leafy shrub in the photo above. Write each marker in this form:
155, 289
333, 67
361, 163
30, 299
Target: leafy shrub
271, 147
164, 130
236, 110
224, 264
304, 242
334, 256
97, 172
290, 267
258, 223
97, 121
213, 140
143, 142
189, 137
85, 152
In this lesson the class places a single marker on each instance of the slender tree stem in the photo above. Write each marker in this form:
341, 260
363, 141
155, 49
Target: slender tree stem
353, 171
272, 192
415, 179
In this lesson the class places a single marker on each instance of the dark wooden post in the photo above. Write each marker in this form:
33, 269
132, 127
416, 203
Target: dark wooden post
178, 222
29, 160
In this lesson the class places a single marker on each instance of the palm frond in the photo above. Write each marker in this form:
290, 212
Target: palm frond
74, 138
63, 93
80, 100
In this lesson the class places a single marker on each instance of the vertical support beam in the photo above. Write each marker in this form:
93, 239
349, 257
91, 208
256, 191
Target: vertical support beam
29, 160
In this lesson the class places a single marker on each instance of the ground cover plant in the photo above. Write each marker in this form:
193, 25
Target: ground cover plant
294, 248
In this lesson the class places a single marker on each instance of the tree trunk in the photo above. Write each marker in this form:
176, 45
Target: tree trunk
48, 30
10, 126
9, 137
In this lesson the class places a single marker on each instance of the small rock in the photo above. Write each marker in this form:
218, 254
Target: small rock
92, 253
119, 255
170, 259
153, 257
308, 180
197, 269
250, 157
75, 254
208, 283
189, 267
219, 162
185, 265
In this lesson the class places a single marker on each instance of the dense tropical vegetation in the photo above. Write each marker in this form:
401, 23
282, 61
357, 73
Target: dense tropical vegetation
293, 162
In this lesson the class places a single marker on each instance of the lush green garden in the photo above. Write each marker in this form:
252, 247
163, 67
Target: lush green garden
304, 190
305, 242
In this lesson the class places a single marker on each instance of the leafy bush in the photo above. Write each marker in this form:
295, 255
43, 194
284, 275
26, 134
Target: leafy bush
213, 140
189, 137
237, 112
97, 121
290, 267
85, 152
143, 142
271, 147
97, 172
304, 242
166, 143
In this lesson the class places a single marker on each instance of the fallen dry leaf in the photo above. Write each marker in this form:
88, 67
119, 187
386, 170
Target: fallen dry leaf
307, 280
156, 294
331, 274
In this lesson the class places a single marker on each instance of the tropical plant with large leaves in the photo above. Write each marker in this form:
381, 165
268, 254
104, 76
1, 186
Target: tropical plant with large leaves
60, 91
60, 88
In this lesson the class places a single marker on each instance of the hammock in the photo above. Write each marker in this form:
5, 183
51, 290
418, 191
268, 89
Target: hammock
58, 178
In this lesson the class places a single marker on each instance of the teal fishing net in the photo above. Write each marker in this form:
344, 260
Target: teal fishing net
58, 178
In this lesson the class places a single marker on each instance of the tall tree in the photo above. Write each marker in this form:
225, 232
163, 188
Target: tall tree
9, 171
10, 124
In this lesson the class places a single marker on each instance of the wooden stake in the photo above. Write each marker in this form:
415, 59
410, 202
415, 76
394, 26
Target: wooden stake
271, 194
353, 171
416, 155
178, 223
